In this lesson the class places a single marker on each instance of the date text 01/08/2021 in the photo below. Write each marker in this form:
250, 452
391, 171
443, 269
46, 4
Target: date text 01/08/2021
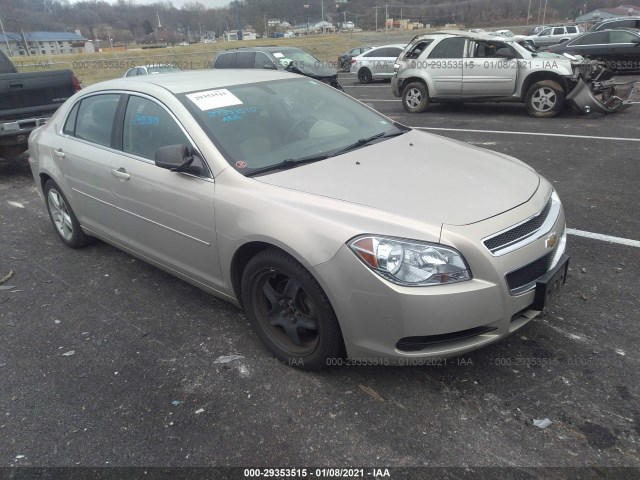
317, 472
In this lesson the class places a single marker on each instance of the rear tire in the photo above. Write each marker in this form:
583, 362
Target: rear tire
364, 75
290, 312
415, 97
64, 220
545, 99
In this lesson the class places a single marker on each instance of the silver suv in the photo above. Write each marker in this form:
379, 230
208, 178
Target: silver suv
553, 35
454, 66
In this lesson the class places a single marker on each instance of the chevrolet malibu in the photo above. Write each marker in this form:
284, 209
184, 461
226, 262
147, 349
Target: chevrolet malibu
339, 231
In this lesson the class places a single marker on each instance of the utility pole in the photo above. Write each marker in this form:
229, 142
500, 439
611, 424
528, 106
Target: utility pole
386, 17
529, 12
322, 14
544, 13
376, 8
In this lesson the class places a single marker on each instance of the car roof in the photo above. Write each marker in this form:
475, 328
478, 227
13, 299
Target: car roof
267, 48
193, 80
462, 33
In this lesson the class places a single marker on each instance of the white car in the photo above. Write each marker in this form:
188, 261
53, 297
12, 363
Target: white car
377, 63
151, 70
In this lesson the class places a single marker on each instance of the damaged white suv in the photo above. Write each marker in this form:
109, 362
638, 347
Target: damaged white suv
455, 66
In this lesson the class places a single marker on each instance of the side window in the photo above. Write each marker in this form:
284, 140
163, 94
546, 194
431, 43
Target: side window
544, 33
131, 72
558, 31
70, 124
572, 30
448, 48
372, 53
147, 127
623, 24
263, 61
95, 118
417, 50
593, 39
224, 60
622, 37
245, 59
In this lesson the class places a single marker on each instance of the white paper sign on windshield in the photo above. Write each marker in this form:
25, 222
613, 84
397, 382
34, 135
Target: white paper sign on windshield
212, 99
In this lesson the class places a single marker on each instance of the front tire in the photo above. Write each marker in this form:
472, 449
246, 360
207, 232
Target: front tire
64, 220
289, 311
415, 97
545, 99
364, 75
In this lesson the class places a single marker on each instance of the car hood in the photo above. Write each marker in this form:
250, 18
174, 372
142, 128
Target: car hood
419, 175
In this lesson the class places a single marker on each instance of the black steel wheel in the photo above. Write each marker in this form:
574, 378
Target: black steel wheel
290, 312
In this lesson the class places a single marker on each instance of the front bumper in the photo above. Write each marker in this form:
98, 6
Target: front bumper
384, 321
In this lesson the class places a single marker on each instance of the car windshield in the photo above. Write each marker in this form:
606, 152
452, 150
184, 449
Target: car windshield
299, 57
288, 121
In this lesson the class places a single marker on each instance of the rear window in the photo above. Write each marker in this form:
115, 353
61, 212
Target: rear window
95, 118
224, 60
245, 60
593, 39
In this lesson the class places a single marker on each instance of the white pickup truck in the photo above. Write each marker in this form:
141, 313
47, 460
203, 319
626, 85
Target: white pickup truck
458, 66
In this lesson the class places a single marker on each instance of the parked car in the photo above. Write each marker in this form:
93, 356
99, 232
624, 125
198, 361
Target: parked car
619, 48
150, 70
344, 59
534, 30
454, 66
377, 63
502, 33
27, 100
292, 59
273, 192
552, 35
620, 22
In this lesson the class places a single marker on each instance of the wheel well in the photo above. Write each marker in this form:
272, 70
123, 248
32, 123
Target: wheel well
240, 259
409, 80
540, 76
43, 179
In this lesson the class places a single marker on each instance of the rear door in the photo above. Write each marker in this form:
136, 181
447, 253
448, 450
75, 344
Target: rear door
84, 151
444, 64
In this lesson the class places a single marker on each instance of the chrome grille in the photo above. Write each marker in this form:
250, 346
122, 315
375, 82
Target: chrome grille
519, 232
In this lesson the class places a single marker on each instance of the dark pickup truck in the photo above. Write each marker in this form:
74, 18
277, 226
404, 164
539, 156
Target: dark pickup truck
27, 100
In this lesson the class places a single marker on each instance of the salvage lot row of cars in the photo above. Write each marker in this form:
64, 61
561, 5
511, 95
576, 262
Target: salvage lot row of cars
271, 191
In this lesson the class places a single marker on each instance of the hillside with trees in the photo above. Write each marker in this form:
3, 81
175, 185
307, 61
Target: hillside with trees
125, 21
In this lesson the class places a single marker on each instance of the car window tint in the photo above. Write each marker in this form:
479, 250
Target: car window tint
545, 32
593, 39
558, 31
448, 48
621, 23
95, 118
372, 53
70, 124
147, 127
224, 60
622, 37
245, 59
262, 60
572, 30
418, 48
131, 72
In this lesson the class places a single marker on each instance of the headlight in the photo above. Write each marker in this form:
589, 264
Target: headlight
411, 262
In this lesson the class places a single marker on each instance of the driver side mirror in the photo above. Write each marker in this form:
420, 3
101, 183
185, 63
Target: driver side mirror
177, 159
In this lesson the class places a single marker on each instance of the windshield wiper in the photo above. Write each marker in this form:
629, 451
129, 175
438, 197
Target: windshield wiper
286, 164
364, 141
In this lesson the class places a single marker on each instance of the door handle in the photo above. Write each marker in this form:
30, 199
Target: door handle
59, 153
121, 173
17, 84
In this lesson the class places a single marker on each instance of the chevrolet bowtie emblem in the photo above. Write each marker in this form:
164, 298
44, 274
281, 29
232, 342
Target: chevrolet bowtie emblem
551, 240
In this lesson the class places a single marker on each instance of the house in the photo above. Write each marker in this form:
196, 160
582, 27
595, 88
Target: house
41, 43
604, 13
